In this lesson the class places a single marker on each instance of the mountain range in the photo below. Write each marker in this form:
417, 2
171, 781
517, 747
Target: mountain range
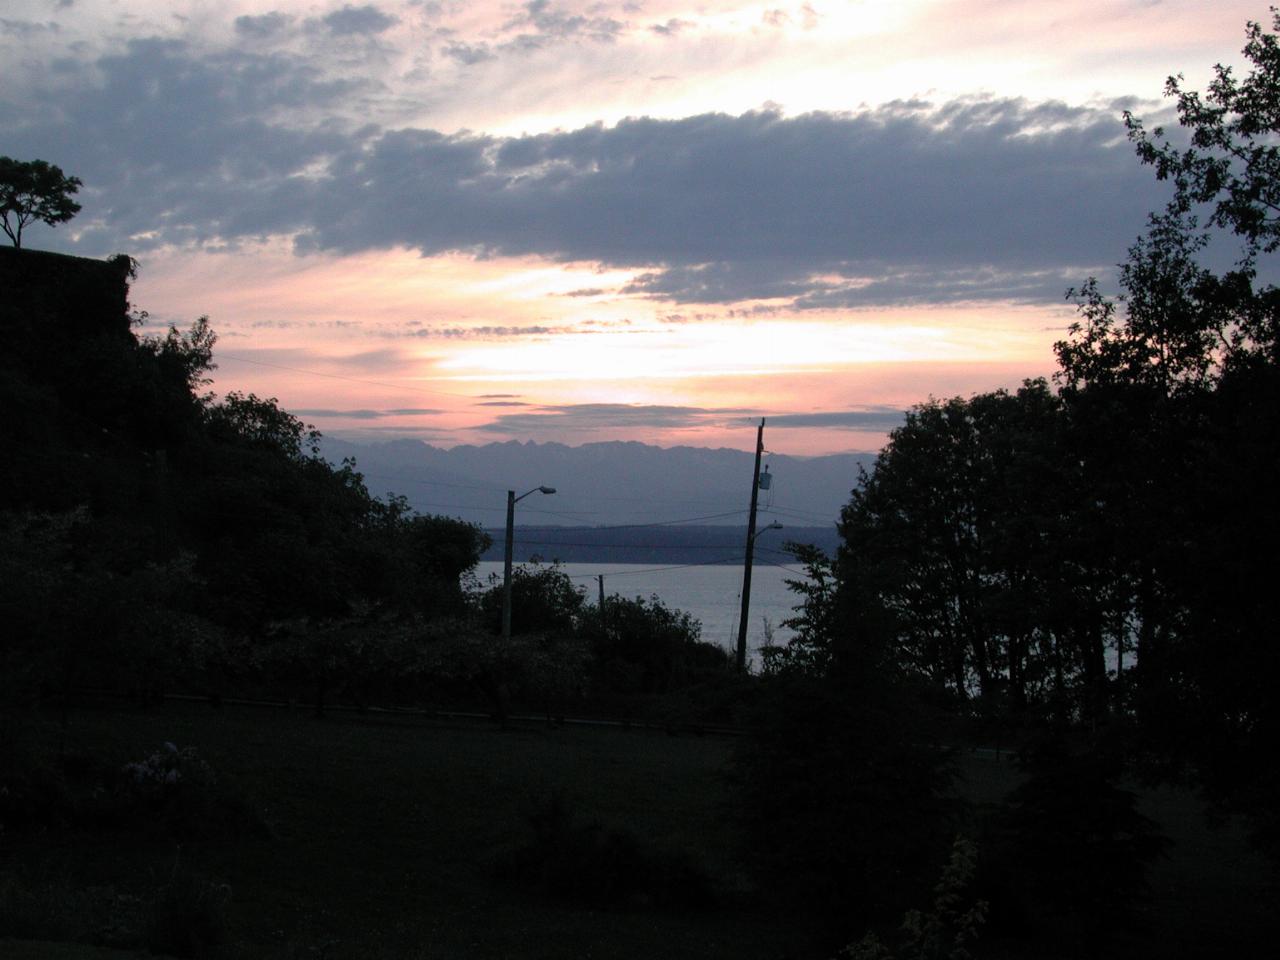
604, 484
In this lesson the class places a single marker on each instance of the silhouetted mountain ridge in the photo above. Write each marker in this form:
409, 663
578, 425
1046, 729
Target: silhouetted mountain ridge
603, 484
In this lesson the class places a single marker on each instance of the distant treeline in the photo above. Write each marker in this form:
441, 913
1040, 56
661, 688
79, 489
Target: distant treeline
658, 545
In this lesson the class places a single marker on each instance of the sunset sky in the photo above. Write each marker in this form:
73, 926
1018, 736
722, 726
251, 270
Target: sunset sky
654, 221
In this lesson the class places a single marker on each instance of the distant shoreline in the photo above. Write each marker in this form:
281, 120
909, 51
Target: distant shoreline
704, 545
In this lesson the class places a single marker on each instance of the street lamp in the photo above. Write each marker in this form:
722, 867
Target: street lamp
512, 500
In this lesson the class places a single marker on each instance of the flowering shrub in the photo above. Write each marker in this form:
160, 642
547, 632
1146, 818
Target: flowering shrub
178, 791
169, 768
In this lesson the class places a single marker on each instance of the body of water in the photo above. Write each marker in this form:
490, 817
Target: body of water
711, 594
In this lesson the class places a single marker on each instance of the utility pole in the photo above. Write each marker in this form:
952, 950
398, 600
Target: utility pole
600, 577
506, 567
512, 500
751, 543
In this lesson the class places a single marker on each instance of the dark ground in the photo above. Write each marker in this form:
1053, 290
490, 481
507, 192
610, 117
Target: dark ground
386, 834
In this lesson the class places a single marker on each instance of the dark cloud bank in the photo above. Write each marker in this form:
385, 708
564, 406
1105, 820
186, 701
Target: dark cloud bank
588, 417
907, 203
581, 419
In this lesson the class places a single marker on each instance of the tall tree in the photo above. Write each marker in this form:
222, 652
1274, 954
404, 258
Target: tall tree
34, 190
1175, 386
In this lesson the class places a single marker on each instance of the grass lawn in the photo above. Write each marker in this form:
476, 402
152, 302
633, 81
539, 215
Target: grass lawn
386, 832
51, 950
1210, 896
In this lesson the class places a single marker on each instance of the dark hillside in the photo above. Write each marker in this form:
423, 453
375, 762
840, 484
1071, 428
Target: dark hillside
153, 536
53, 297
64, 335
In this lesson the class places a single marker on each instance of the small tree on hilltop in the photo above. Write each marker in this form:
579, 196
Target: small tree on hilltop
34, 190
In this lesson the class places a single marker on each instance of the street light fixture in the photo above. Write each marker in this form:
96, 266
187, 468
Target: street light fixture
773, 526
512, 500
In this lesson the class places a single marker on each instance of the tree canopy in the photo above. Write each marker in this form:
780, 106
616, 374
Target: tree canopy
1083, 568
1102, 555
34, 190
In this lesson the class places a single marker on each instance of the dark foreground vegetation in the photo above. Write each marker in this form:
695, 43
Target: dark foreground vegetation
370, 837
1082, 571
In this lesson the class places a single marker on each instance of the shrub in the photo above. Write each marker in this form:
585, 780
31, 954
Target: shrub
591, 864
177, 791
645, 647
188, 915
1071, 848
33, 792
842, 796
183, 915
943, 932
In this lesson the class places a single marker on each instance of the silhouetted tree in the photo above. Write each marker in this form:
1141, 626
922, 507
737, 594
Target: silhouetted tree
543, 599
976, 547
812, 625
160, 535
1074, 849
34, 190
644, 646
1173, 389
842, 783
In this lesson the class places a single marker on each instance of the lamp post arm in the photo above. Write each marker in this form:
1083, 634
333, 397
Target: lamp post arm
526, 493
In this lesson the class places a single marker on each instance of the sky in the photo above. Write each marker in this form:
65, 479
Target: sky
573, 222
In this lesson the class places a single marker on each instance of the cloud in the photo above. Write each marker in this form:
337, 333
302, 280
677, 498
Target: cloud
24, 29
870, 418
908, 203
487, 332
384, 432
547, 21
352, 21
324, 414
671, 27
262, 26
322, 363
586, 417
913, 202
469, 54
590, 418
176, 148
379, 362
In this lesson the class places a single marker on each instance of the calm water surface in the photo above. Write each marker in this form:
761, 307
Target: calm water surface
711, 594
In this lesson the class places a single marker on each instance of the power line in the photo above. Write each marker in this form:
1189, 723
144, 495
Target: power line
578, 515
783, 566
800, 514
